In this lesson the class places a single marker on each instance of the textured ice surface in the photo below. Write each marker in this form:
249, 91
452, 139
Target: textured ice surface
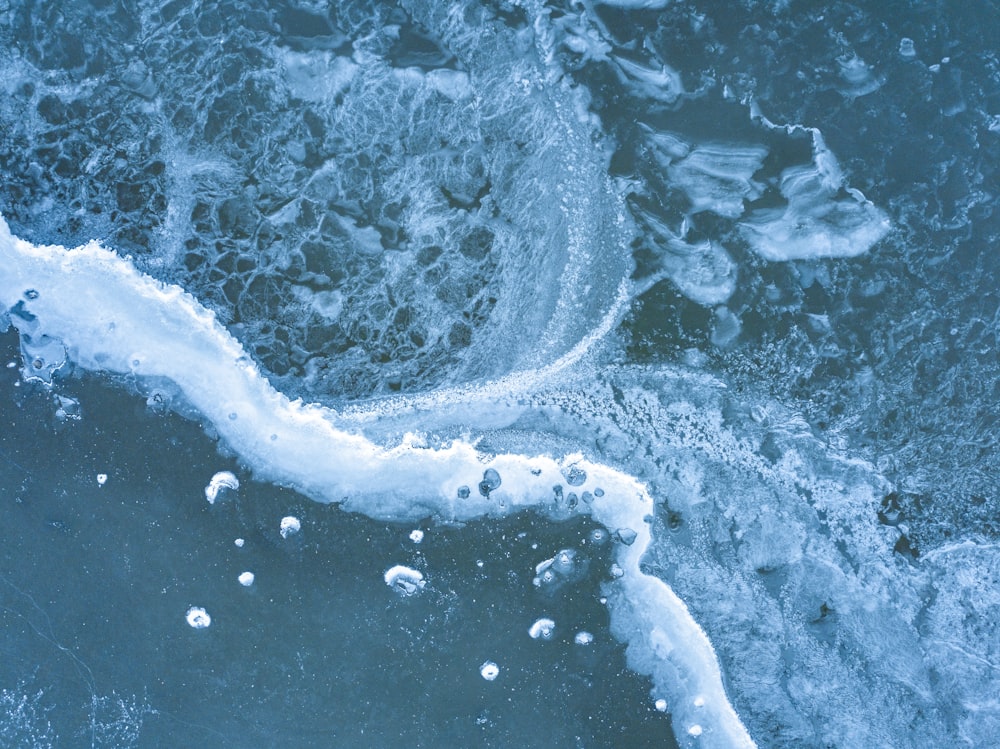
796, 200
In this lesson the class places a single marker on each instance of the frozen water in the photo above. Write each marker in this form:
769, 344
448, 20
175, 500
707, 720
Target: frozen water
715, 281
404, 580
219, 483
289, 526
198, 618
542, 629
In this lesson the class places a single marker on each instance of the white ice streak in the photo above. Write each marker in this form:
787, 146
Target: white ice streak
111, 318
220, 481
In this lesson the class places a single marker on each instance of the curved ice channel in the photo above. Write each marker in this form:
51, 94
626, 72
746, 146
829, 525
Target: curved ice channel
109, 317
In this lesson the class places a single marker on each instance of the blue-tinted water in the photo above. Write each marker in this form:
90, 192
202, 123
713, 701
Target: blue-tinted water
742, 252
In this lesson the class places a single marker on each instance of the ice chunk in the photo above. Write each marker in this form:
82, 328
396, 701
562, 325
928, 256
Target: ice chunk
583, 638
198, 618
416, 536
817, 221
102, 479
239, 542
542, 629
822, 216
219, 482
703, 271
718, 177
661, 705
404, 580
289, 526
246, 579
489, 670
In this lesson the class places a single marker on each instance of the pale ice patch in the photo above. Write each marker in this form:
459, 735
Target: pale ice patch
718, 177
198, 618
316, 76
542, 629
404, 580
583, 638
246, 579
416, 536
822, 216
289, 526
102, 479
112, 318
220, 482
489, 670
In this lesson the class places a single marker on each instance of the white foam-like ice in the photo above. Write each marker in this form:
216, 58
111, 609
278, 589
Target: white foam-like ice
220, 481
542, 629
198, 618
404, 580
112, 318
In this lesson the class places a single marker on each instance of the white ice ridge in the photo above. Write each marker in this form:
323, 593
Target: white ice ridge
112, 318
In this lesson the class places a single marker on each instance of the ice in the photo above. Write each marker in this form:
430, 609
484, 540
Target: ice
289, 526
404, 580
489, 670
110, 316
583, 638
102, 479
719, 177
822, 216
246, 579
198, 618
219, 483
416, 536
543, 629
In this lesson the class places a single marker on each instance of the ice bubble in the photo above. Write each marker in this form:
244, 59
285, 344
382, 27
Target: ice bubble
583, 638
542, 629
416, 536
490, 482
598, 492
463, 492
221, 480
102, 479
661, 705
907, 49
694, 730
599, 536
489, 670
198, 618
575, 476
404, 580
290, 525
239, 542
246, 579
626, 535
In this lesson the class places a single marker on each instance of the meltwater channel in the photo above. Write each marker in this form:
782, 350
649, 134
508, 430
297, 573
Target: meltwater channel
502, 374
